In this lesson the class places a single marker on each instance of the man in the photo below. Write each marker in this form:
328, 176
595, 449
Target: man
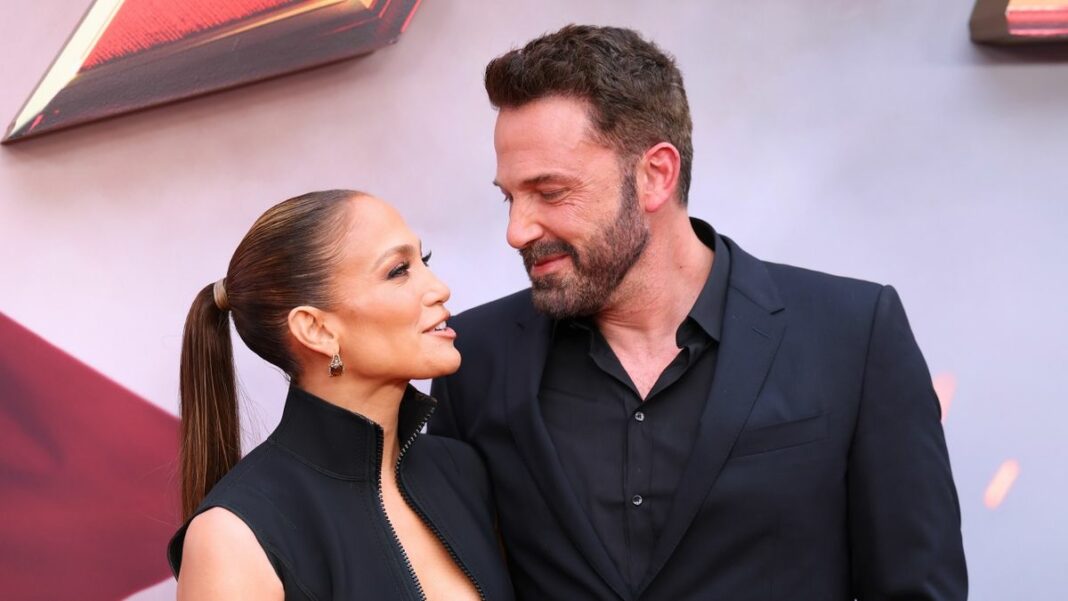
664, 416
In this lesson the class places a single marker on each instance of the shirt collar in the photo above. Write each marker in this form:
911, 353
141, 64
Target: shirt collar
708, 310
341, 443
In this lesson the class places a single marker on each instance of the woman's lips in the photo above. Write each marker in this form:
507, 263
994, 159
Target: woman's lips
448, 333
442, 329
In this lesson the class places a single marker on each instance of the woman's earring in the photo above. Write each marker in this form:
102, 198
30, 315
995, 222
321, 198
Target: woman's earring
336, 366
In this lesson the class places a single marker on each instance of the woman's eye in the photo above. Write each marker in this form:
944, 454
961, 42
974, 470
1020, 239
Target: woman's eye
426, 257
399, 270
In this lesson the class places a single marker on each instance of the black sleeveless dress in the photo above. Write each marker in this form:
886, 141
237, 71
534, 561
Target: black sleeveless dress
311, 494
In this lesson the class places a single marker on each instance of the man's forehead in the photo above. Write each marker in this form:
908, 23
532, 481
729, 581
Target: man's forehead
555, 117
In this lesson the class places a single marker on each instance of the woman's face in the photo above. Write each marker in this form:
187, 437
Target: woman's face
390, 312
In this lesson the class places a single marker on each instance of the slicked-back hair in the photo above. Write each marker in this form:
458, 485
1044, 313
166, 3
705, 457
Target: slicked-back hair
634, 89
286, 259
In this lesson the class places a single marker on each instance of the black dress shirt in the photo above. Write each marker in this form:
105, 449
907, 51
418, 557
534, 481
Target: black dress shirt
622, 454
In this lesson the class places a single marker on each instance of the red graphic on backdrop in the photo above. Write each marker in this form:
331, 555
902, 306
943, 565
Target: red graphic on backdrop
128, 55
88, 485
1019, 21
146, 24
1049, 19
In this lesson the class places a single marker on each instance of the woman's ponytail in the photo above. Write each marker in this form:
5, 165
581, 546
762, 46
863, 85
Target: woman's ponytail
285, 260
210, 431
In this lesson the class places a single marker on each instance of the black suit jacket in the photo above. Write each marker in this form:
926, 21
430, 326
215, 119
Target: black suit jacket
820, 470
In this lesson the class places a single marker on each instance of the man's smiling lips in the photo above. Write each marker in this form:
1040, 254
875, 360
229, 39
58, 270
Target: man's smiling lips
548, 264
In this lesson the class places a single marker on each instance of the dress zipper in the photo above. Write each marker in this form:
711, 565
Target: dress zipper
389, 524
411, 503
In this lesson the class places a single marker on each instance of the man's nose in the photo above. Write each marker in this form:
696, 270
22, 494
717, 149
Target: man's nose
523, 224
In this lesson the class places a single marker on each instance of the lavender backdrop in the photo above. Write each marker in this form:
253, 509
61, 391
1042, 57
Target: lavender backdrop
861, 138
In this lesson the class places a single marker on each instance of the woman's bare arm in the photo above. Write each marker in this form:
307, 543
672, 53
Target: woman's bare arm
222, 560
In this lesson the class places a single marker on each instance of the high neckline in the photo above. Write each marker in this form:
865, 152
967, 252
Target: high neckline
340, 443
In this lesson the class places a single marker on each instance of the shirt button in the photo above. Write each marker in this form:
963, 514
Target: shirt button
636, 500
639, 416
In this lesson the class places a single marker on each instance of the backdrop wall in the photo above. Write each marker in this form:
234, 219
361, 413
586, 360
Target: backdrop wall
866, 139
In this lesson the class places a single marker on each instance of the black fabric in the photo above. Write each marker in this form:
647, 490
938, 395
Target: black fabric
310, 494
819, 470
624, 455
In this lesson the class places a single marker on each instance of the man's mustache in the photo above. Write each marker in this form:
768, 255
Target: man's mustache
538, 251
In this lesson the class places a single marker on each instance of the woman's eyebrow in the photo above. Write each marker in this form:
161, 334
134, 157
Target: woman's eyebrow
402, 249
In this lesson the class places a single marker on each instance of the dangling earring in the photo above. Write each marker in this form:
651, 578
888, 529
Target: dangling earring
336, 366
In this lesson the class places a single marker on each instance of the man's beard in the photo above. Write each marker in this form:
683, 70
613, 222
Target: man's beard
598, 269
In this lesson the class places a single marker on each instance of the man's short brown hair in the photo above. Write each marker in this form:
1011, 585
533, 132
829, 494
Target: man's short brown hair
634, 89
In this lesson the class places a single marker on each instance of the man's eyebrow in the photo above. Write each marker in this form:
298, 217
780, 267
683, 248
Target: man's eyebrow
537, 179
401, 249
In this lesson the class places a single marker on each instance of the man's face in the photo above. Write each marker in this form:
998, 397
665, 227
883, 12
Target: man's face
573, 211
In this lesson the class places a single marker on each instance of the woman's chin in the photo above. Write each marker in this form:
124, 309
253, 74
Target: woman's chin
443, 364
451, 364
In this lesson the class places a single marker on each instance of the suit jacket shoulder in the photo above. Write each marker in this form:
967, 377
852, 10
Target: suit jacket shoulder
847, 299
507, 309
481, 330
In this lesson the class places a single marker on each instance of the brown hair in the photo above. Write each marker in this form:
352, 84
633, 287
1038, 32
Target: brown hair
634, 89
285, 260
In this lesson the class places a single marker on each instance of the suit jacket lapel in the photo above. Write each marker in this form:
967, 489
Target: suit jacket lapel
527, 348
752, 329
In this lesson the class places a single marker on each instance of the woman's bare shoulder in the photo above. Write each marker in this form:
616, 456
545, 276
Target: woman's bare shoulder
222, 559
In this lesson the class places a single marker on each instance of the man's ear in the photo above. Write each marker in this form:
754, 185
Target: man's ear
658, 176
311, 330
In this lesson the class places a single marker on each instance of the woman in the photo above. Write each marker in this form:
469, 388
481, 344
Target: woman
345, 499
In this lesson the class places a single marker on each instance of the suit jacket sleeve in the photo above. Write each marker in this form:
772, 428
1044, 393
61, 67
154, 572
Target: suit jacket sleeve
904, 516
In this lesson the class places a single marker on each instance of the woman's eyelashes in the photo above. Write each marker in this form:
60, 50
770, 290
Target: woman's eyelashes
399, 270
403, 268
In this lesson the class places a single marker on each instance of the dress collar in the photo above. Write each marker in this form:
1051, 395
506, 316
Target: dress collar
341, 443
